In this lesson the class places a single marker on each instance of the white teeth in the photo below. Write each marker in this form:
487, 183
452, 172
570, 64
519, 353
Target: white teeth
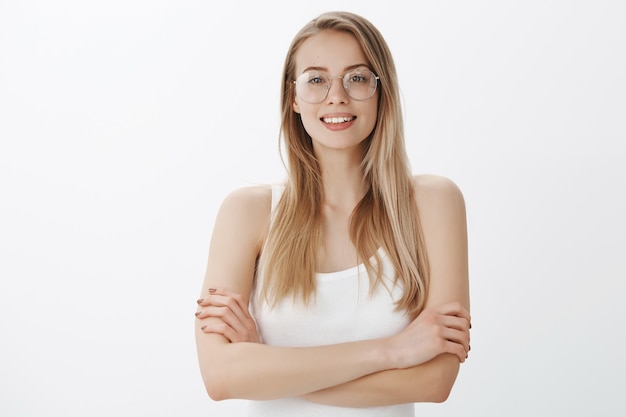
336, 119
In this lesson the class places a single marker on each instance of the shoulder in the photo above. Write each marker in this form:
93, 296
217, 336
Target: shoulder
246, 211
438, 197
431, 188
441, 211
249, 198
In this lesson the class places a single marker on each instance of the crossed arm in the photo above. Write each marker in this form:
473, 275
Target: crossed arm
419, 364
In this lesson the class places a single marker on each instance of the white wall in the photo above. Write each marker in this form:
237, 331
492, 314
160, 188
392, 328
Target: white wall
124, 123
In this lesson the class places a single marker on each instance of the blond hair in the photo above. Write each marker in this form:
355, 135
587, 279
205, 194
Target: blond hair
386, 217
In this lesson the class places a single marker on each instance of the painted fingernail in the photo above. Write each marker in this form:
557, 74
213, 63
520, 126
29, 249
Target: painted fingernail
200, 300
197, 313
203, 327
212, 290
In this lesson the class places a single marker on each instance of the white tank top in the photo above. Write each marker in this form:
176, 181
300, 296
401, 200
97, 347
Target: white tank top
342, 311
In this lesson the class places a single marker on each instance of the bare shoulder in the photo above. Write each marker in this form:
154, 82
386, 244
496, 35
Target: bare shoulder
435, 192
441, 210
246, 211
251, 198
238, 234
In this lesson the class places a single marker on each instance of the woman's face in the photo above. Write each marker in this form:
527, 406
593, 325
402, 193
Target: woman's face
338, 121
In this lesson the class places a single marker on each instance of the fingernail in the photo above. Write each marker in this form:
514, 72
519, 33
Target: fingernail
203, 327
200, 300
197, 313
212, 290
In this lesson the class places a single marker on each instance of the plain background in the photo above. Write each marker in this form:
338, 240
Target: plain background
123, 125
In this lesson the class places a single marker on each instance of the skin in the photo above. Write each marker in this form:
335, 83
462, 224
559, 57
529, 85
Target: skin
418, 364
339, 151
339, 53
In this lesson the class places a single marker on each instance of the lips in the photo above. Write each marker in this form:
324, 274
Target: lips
337, 120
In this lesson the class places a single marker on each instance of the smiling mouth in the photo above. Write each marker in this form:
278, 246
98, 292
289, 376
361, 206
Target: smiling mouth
337, 120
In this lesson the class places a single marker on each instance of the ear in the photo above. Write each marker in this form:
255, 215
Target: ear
295, 106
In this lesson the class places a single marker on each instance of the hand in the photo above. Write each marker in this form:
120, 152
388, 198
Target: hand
236, 324
443, 329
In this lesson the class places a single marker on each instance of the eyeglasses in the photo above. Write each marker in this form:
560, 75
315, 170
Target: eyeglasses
313, 86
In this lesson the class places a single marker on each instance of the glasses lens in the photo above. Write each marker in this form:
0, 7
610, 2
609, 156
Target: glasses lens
312, 86
360, 84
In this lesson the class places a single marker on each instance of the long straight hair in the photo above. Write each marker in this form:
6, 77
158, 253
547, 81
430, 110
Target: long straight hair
386, 217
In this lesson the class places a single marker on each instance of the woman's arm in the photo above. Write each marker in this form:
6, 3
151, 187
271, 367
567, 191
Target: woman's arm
257, 371
442, 212
429, 382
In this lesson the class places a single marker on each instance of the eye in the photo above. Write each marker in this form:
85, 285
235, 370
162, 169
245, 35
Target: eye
359, 76
316, 79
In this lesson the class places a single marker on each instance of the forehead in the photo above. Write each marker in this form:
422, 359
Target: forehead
330, 49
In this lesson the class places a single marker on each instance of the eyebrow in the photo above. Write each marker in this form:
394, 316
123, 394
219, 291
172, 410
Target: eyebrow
325, 69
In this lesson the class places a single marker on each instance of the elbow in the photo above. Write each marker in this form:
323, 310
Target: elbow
441, 394
444, 380
216, 392
215, 379
215, 371
216, 387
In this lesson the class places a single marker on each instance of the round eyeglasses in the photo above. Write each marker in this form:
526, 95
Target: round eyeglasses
313, 86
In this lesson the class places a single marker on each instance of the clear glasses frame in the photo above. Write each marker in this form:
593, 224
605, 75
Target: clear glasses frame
322, 86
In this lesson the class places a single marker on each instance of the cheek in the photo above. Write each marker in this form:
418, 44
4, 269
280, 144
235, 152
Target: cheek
307, 113
308, 121
372, 117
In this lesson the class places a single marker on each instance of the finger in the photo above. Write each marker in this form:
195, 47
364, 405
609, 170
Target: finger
245, 329
230, 303
237, 297
454, 309
225, 297
224, 314
231, 332
219, 300
453, 343
457, 350
221, 328
455, 322
214, 311
458, 337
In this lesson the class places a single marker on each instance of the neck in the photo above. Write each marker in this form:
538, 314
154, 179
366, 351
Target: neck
344, 185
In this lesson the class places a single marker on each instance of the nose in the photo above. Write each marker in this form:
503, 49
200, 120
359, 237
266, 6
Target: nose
336, 92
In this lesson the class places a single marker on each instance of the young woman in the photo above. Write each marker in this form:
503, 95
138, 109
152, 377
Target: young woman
344, 291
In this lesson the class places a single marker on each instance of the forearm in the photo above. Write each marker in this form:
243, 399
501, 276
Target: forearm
262, 372
429, 382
